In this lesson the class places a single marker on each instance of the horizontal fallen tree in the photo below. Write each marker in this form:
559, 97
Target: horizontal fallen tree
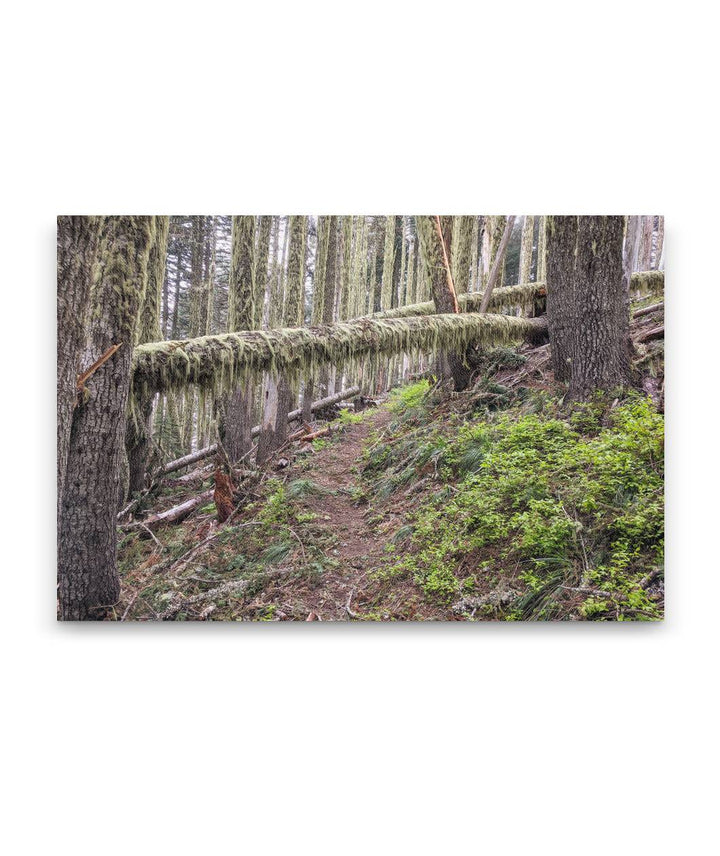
220, 363
502, 299
522, 296
201, 454
174, 514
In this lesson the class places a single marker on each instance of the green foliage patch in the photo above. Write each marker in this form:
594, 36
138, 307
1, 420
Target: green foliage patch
570, 509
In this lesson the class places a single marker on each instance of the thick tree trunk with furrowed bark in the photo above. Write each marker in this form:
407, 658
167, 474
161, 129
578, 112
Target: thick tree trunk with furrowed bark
76, 247
87, 571
561, 241
600, 316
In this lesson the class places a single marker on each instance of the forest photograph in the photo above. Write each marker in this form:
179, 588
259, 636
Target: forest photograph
360, 418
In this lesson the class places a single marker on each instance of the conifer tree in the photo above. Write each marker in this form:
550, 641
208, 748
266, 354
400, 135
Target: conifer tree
278, 393
235, 416
526, 248
88, 583
77, 240
139, 430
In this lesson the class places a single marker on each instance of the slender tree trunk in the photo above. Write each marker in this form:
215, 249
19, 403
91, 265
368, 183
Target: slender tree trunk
138, 439
432, 238
633, 236
541, 266
235, 416
461, 263
526, 248
498, 262
277, 399
88, 583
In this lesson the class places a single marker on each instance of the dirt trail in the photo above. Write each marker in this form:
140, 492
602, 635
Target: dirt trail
358, 548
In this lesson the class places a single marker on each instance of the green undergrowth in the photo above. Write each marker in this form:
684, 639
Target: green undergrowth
525, 511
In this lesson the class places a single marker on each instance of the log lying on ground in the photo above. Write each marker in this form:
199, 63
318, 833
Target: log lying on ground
648, 310
201, 454
188, 460
219, 363
508, 297
654, 333
174, 514
523, 295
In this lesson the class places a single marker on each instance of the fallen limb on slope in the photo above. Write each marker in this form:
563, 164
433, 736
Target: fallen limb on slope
523, 295
220, 362
201, 454
176, 513
654, 333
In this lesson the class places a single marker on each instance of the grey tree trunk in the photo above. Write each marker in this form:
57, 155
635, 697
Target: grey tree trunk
526, 248
433, 248
235, 416
561, 241
138, 441
278, 394
88, 582
600, 309
77, 239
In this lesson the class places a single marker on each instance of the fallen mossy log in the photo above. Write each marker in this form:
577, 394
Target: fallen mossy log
647, 282
220, 363
501, 299
523, 296
201, 454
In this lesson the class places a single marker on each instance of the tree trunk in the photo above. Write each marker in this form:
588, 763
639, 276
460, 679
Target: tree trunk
461, 263
235, 414
600, 309
526, 248
138, 441
88, 583
77, 239
541, 264
432, 238
561, 241
278, 394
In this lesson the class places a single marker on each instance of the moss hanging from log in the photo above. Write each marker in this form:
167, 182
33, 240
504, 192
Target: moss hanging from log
219, 363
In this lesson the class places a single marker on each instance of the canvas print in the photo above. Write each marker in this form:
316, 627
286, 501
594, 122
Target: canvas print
360, 418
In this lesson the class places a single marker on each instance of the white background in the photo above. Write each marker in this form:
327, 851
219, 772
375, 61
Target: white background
359, 739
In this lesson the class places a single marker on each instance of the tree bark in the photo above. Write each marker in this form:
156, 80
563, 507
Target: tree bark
77, 239
88, 582
138, 441
561, 241
235, 414
278, 394
526, 248
498, 262
600, 309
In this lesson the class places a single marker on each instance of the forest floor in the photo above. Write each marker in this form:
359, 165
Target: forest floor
494, 504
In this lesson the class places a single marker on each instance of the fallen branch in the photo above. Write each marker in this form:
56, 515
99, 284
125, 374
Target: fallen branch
174, 514
219, 362
308, 437
94, 367
232, 587
654, 333
648, 310
294, 415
